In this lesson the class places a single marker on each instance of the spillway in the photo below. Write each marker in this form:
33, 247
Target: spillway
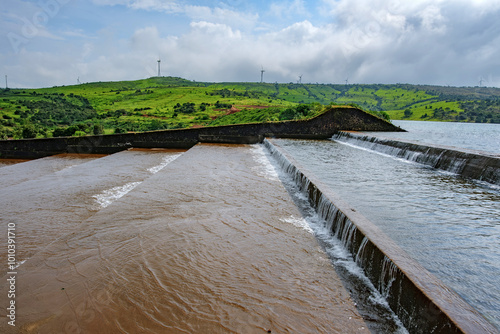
448, 224
483, 166
208, 240
217, 238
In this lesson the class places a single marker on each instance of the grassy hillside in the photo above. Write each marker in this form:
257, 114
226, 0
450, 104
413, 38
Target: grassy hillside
169, 103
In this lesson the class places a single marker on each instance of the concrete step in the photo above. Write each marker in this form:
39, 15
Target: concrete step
212, 243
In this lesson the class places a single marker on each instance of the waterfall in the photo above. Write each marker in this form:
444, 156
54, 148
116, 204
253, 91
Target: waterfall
360, 255
419, 299
388, 276
471, 164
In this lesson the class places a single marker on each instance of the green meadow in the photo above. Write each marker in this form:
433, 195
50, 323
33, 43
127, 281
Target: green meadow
170, 103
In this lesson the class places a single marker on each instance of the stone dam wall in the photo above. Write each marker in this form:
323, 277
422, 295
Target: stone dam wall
467, 163
420, 300
323, 126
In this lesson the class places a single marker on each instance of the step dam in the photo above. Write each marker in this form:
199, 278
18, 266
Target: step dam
209, 231
482, 166
322, 126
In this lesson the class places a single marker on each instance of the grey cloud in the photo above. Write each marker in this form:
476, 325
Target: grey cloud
424, 42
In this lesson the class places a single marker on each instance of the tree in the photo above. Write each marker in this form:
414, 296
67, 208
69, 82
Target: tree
29, 131
287, 114
186, 108
3, 133
120, 130
303, 109
98, 129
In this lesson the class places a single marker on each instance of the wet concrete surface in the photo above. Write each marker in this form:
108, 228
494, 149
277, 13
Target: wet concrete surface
211, 243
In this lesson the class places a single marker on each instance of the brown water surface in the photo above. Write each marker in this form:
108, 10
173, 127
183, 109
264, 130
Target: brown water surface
212, 243
9, 162
16, 171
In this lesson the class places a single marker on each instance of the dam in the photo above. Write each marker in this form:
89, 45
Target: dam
224, 252
226, 238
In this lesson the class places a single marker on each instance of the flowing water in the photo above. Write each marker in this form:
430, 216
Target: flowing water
448, 224
155, 241
8, 162
218, 239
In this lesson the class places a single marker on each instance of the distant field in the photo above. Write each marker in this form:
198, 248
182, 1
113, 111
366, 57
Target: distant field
169, 103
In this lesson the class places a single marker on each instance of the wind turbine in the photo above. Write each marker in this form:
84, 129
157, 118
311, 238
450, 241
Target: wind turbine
159, 73
300, 78
262, 74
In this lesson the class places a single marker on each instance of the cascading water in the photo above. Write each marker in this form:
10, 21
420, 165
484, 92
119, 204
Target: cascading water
388, 277
336, 233
476, 165
421, 301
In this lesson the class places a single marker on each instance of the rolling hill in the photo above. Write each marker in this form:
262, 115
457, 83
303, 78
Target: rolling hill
169, 103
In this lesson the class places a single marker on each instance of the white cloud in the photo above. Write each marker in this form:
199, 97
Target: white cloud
434, 42
432, 20
228, 17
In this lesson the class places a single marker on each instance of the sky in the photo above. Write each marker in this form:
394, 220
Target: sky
45, 43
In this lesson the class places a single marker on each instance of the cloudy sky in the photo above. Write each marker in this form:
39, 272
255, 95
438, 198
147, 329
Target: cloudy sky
44, 43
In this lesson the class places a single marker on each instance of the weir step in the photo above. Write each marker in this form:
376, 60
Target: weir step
51, 204
33, 169
210, 243
477, 165
421, 301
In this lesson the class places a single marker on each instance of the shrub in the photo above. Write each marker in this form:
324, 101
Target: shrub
185, 108
29, 131
120, 130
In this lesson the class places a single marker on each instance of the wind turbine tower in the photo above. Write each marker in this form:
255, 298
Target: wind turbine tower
6, 86
262, 75
159, 72
300, 79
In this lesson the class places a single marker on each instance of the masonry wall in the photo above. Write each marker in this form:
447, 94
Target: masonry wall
320, 127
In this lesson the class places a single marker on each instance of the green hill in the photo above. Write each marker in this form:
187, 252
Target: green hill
169, 103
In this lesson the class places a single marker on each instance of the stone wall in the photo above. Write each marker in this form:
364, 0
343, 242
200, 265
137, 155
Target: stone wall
323, 126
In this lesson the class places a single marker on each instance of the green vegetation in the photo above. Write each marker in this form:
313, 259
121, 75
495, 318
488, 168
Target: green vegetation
171, 103
271, 114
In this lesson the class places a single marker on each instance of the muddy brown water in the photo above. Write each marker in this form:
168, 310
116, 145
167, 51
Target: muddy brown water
211, 242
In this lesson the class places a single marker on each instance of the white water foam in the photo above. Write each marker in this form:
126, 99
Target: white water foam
264, 168
377, 152
108, 196
166, 160
298, 222
334, 247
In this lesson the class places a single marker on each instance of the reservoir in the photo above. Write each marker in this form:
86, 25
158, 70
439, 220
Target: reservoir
473, 136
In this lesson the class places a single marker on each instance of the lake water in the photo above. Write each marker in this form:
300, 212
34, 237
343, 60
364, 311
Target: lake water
449, 224
473, 136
